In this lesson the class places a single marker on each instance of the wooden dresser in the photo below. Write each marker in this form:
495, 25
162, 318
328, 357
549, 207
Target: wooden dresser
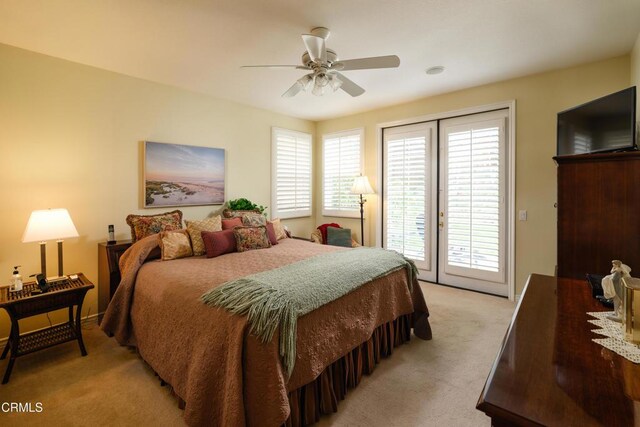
549, 372
108, 271
598, 212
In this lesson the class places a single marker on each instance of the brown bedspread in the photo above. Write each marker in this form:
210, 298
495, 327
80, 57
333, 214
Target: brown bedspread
222, 372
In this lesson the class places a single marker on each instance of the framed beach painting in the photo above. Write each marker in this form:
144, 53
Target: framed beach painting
182, 175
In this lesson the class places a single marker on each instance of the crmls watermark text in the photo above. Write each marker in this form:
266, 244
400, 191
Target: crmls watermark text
7, 407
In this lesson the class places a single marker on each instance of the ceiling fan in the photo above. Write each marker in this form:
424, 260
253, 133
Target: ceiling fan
325, 67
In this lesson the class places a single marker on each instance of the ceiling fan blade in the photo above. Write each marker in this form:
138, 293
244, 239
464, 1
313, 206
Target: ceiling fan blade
348, 86
299, 67
293, 90
316, 47
390, 61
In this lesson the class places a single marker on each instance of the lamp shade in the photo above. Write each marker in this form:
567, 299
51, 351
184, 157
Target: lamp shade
361, 186
49, 224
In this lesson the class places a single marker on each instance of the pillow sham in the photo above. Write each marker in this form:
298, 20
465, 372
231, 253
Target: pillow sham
146, 225
339, 237
219, 243
174, 245
195, 229
271, 234
231, 223
249, 238
279, 228
253, 219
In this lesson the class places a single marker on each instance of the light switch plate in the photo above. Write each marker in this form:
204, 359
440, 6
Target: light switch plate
522, 215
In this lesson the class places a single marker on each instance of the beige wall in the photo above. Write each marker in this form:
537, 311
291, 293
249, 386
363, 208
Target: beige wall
70, 137
539, 98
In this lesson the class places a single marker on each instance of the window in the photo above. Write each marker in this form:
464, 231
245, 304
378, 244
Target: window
342, 163
291, 173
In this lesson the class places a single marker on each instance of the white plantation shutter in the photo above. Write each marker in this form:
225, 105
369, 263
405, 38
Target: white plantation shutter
475, 200
409, 188
291, 174
342, 163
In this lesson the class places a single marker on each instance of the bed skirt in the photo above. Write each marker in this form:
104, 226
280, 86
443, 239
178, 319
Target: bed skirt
322, 395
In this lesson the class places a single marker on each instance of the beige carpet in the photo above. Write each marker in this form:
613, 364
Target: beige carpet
423, 384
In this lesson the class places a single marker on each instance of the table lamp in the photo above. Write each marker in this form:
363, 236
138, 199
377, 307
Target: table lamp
49, 224
361, 186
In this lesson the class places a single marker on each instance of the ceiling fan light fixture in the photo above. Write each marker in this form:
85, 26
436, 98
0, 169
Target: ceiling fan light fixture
324, 67
318, 90
334, 82
322, 80
305, 81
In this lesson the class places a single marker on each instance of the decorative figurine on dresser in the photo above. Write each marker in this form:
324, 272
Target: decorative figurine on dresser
621, 327
613, 288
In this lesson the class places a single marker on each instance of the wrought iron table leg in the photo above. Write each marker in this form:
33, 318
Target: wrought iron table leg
14, 339
6, 349
78, 326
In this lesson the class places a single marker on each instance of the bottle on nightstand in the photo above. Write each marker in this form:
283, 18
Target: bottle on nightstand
112, 235
16, 280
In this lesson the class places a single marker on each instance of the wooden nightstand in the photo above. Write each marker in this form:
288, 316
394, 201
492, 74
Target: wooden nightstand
21, 304
108, 271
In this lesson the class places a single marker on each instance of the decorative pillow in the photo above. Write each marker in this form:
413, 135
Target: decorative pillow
316, 236
146, 225
219, 243
253, 220
249, 238
228, 213
271, 233
231, 223
279, 228
195, 229
175, 244
339, 237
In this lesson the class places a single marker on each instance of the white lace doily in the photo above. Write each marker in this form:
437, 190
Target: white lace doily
615, 338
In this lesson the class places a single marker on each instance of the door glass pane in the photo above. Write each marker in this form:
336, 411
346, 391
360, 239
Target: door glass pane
473, 198
406, 192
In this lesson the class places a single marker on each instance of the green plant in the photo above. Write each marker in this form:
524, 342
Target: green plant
243, 204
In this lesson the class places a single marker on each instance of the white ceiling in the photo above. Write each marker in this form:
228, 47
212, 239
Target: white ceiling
200, 45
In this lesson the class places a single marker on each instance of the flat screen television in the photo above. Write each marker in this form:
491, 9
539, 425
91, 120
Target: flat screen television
605, 124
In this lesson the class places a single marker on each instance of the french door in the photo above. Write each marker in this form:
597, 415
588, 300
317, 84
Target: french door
472, 217
444, 199
410, 194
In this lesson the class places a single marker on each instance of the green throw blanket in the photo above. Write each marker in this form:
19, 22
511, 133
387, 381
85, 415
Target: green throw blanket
276, 298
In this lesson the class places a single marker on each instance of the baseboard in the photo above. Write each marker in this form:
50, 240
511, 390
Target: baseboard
83, 320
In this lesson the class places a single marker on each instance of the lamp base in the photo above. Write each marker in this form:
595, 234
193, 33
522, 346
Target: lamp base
362, 200
60, 258
43, 258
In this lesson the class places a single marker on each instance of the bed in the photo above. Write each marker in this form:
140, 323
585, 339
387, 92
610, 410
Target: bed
225, 375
